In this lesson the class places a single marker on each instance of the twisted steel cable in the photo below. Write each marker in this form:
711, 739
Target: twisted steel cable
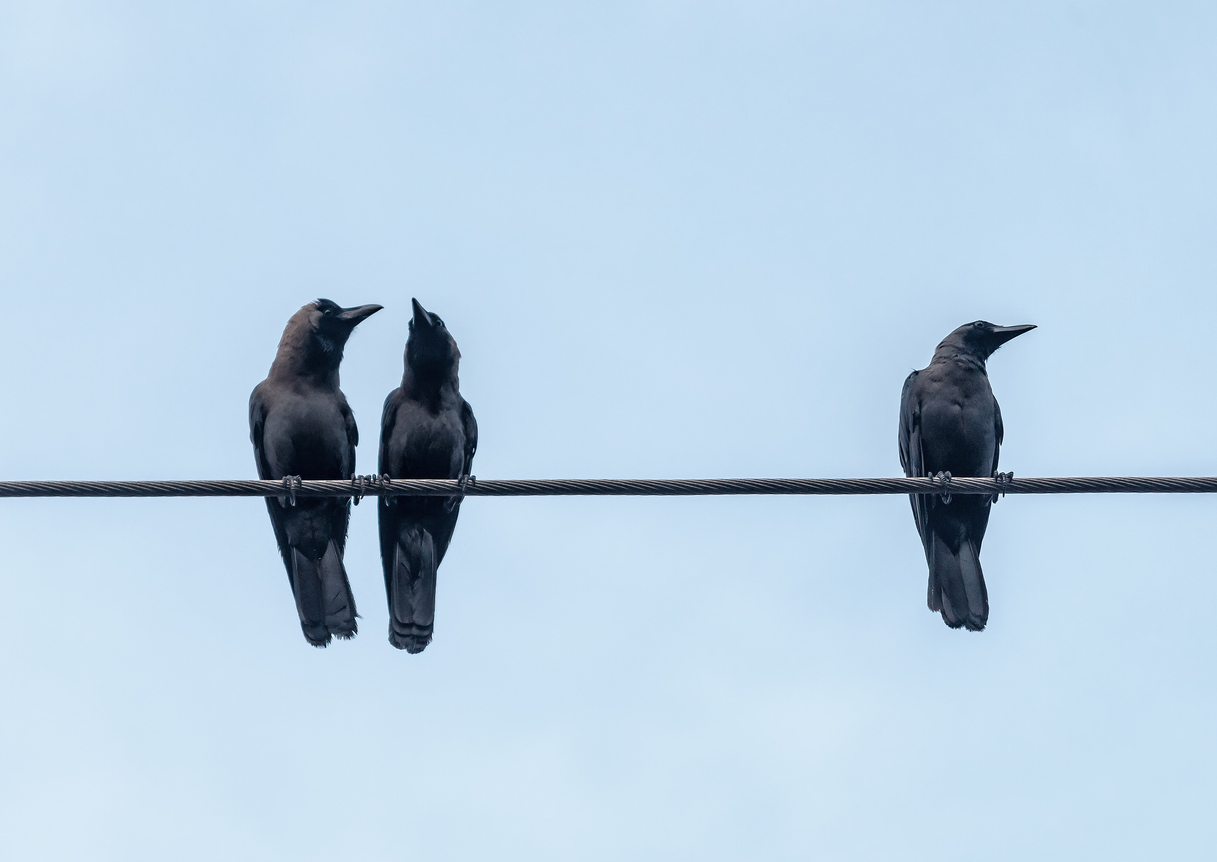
375, 486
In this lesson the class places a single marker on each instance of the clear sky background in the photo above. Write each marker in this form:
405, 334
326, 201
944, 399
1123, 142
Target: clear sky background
672, 239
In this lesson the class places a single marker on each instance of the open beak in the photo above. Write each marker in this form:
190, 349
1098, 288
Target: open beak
1002, 334
354, 316
421, 318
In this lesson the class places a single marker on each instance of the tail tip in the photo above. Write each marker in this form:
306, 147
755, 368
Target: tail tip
972, 624
315, 634
320, 635
344, 629
413, 640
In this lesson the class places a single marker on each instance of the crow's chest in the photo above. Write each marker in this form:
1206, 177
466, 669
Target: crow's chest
425, 444
958, 423
307, 437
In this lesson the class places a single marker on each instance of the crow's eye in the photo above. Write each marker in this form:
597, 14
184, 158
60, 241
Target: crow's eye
437, 320
329, 312
979, 324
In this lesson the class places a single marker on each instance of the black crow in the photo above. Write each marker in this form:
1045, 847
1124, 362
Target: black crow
427, 432
301, 426
950, 423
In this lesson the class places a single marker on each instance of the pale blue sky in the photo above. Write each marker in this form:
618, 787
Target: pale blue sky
672, 239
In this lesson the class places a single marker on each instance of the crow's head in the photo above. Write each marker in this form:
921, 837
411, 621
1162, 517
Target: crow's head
313, 339
430, 349
981, 338
332, 325
328, 328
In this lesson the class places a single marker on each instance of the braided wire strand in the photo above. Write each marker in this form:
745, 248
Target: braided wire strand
374, 486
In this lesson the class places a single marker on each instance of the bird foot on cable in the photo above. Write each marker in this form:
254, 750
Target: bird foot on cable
943, 479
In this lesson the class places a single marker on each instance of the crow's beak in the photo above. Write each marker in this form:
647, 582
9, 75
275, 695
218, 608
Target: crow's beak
353, 316
1002, 334
421, 318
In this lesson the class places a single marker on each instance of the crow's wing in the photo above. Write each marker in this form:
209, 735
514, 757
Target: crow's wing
471, 435
352, 437
340, 517
1001, 432
911, 456
257, 423
388, 515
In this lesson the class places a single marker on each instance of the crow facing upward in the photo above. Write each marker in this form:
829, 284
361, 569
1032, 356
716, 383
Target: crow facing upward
427, 431
950, 422
300, 425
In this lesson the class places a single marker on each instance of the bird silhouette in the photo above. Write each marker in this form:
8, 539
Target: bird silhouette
427, 431
950, 423
301, 425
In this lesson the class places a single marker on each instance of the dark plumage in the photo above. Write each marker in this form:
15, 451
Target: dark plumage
300, 425
950, 423
427, 432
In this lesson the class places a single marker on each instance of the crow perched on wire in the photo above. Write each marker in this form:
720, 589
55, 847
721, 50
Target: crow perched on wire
950, 423
301, 426
427, 431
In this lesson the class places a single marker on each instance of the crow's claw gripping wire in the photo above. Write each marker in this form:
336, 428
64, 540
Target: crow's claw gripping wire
383, 480
1003, 483
291, 484
361, 486
461, 483
943, 479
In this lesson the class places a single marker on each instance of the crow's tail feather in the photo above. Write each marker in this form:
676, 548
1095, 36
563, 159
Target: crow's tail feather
340, 614
310, 604
323, 596
412, 594
957, 585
